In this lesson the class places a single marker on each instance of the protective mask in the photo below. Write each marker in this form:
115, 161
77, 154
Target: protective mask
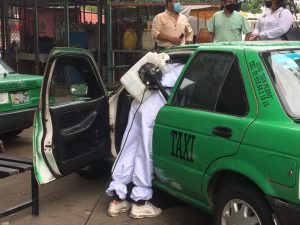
231, 7
177, 7
268, 4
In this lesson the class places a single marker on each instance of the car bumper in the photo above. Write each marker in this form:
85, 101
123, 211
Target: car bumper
287, 213
16, 120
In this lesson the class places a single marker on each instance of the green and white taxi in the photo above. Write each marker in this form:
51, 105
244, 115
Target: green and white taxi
19, 98
227, 141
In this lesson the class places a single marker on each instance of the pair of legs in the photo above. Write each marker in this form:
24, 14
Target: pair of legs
134, 162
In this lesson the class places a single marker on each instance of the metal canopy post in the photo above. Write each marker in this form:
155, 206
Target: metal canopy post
99, 52
2, 27
36, 38
67, 25
109, 45
5, 33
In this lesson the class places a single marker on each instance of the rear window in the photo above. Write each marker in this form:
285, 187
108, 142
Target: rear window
284, 67
4, 68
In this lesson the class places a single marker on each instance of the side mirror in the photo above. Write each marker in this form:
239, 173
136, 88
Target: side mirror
79, 90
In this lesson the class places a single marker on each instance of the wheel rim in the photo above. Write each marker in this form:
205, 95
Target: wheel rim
239, 212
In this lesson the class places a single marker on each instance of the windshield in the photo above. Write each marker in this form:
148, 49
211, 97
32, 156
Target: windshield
4, 68
285, 70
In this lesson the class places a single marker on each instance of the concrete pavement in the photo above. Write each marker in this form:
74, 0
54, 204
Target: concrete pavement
69, 201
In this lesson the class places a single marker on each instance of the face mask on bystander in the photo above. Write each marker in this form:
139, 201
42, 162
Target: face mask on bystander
177, 7
231, 7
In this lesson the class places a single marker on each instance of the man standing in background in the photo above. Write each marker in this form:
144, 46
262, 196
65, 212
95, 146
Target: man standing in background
171, 28
228, 24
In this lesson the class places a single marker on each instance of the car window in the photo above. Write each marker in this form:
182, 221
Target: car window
73, 80
4, 68
203, 80
284, 70
233, 99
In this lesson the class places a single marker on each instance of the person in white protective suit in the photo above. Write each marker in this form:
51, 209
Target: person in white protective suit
134, 163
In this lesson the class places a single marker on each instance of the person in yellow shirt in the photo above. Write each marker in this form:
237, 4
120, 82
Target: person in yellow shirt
171, 28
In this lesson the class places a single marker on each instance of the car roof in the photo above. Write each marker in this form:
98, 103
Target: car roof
252, 45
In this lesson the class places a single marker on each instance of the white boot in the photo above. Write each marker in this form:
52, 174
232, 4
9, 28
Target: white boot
147, 210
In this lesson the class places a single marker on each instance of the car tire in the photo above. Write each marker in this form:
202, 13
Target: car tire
239, 204
12, 134
94, 171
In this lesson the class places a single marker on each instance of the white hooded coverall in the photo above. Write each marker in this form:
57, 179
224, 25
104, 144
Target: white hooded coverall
134, 162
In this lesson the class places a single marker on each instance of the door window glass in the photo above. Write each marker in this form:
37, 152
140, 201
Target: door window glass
73, 80
232, 99
203, 81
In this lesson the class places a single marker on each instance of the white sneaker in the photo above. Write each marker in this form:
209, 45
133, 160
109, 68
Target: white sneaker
147, 210
117, 209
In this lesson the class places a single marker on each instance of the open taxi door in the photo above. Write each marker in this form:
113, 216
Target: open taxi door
71, 125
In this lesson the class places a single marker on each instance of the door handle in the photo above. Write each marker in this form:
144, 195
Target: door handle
222, 132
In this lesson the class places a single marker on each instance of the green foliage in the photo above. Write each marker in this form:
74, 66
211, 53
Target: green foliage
91, 8
163, 1
292, 6
254, 6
